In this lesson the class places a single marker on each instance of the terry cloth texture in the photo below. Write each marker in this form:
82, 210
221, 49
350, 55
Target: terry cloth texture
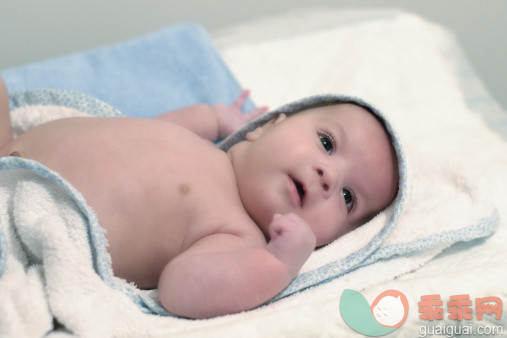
47, 226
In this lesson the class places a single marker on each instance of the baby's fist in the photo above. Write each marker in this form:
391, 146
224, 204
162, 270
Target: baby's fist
291, 240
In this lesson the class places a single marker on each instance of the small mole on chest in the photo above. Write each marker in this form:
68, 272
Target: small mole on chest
184, 189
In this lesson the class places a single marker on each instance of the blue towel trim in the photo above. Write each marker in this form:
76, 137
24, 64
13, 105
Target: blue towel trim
65, 98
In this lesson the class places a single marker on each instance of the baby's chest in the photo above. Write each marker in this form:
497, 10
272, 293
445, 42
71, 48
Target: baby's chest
158, 178
184, 199
168, 195
176, 182
185, 183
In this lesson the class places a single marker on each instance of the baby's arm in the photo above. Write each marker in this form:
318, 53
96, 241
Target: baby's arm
213, 121
5, 120
223, 274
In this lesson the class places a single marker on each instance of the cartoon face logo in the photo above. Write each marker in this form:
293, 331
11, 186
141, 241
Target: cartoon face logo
390, 308
386, 314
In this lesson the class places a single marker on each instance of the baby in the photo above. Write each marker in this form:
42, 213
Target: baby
218, 232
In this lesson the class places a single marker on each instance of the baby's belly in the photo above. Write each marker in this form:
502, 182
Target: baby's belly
136, 175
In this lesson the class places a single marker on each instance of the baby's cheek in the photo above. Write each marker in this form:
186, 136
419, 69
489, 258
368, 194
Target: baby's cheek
328, 227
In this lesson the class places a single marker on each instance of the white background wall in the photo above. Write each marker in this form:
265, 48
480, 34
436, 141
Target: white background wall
34, 30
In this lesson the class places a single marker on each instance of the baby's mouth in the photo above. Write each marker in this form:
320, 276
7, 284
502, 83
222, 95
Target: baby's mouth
301, 191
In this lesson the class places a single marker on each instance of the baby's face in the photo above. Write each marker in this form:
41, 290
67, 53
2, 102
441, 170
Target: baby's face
334, 166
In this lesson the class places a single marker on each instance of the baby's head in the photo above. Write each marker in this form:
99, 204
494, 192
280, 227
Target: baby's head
333, 165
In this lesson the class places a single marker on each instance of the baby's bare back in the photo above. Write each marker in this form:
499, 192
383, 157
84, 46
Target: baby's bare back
156, 187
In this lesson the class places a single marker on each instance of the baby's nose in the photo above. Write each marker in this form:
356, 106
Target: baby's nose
327, 180
324, 184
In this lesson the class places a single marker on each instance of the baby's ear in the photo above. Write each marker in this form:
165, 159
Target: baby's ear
255, 134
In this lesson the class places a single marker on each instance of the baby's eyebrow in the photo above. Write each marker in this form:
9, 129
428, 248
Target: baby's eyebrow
341, 135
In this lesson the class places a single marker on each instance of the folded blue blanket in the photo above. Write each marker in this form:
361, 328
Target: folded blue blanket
162, 71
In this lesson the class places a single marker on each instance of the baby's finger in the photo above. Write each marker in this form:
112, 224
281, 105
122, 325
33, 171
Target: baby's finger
275, 230
256, 112
240, 100
297, 220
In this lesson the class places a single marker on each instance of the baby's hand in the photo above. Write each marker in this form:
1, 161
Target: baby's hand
230, 117
291, 240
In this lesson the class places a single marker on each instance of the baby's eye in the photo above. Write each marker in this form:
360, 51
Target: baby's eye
327, 142
349, 199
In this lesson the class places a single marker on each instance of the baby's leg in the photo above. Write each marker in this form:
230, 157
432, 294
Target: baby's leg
5, 120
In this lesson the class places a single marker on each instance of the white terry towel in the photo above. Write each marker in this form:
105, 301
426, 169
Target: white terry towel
52, 243
458, 212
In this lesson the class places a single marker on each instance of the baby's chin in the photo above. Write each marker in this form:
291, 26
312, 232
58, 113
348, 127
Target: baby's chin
260, 208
